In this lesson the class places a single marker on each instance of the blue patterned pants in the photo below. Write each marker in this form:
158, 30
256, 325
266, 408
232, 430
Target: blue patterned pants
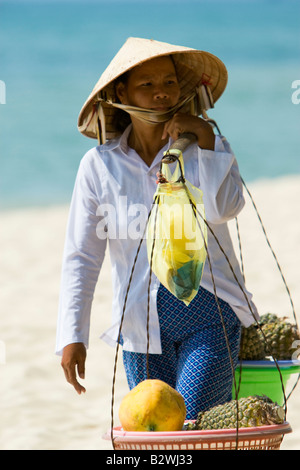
195, 359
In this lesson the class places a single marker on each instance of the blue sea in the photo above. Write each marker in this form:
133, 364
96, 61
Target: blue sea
53, 52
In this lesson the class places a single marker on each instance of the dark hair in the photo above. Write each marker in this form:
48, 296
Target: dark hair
121, 119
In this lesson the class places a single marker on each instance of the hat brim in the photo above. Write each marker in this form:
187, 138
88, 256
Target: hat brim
193, 68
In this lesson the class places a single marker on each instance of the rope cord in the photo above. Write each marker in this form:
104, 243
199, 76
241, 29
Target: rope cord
240, 248
156, 202
272, 251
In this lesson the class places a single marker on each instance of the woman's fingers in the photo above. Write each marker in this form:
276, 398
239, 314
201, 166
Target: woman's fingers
181, 123
73, 364
173, 128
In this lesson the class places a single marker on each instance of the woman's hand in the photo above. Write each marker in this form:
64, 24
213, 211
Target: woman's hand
181, 123
73, 358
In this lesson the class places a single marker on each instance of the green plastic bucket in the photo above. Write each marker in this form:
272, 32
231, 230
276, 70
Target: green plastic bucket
262, 378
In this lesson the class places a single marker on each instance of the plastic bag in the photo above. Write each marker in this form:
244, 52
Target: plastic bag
176, 233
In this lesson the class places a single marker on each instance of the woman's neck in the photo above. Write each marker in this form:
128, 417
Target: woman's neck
146, 140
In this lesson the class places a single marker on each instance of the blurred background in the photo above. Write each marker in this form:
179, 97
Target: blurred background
53, 52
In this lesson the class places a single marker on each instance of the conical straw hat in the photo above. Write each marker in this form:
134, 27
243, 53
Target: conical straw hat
193, 67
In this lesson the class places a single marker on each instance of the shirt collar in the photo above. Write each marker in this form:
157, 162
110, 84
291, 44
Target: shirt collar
124, 140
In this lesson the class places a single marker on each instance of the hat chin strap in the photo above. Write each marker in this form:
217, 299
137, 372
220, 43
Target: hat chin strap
149, 115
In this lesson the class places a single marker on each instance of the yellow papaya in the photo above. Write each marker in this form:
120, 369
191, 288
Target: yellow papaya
152, 406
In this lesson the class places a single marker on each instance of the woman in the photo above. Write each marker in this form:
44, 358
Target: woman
159, 91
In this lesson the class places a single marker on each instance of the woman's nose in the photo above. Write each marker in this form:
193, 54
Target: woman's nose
160, 93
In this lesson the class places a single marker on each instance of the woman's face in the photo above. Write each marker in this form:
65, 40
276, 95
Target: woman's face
152, 85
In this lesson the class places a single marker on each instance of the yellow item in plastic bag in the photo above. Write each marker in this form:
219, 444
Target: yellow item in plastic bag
176, 233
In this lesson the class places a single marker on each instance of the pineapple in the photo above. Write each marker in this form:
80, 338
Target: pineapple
268, 318
275, 338
252, 344
252, 411
281, 336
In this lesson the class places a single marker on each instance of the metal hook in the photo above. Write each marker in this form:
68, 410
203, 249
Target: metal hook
175, 151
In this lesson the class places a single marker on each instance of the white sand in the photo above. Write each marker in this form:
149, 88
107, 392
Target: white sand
39, 409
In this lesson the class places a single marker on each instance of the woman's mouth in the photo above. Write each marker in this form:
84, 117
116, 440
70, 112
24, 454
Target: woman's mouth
161, 108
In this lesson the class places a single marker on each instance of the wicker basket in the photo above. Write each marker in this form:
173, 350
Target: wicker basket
255, 438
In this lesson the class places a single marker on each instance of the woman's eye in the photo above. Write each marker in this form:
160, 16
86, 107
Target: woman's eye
147, 84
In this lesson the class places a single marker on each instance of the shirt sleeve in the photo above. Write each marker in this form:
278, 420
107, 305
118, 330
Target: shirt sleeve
82, 260
220, 182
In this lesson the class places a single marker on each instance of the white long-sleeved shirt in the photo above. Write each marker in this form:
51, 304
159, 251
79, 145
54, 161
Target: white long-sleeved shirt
112, 196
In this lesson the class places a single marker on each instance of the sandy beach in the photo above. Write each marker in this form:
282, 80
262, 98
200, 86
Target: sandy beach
40, 410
